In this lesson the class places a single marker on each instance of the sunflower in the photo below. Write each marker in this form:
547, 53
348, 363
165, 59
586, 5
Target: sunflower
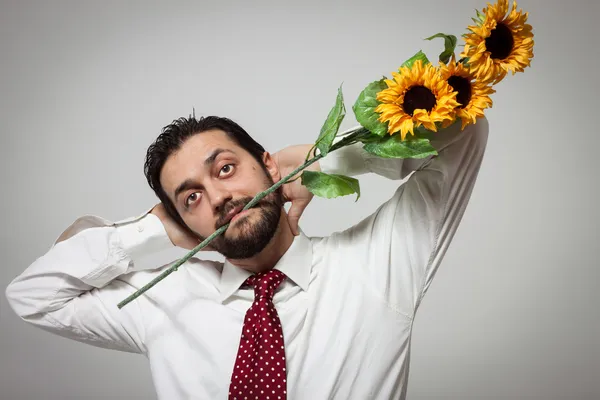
499, 42
472, 95
416, 96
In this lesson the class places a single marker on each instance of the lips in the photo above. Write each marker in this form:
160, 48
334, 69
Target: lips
232, 213
235, 217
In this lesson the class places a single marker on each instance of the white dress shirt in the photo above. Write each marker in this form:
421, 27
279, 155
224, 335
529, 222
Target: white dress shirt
347, 308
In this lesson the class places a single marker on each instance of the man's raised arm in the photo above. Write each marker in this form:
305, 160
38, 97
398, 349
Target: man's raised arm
73, 290
399, 248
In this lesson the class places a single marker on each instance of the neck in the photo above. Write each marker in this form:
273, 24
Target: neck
272, 253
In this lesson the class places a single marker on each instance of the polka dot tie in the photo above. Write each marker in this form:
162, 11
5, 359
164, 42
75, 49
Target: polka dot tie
259, 371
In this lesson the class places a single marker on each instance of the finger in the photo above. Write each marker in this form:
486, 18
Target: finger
296, 210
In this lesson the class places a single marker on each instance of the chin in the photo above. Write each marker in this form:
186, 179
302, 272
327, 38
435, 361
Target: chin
249, 234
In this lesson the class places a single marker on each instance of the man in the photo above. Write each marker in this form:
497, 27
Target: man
333, 315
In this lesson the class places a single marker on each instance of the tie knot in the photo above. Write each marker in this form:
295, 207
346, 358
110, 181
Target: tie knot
265, 283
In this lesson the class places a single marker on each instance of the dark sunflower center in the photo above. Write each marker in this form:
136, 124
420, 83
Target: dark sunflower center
500, 42
418, 97
463, 87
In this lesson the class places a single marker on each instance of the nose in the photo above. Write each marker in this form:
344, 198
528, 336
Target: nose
219, 195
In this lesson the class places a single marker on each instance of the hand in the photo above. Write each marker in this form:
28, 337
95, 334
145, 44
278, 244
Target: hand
287, 160
178, 236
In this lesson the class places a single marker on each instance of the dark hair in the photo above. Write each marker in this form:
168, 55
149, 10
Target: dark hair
172, 138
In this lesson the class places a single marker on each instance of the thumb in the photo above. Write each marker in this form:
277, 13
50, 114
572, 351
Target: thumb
296, 210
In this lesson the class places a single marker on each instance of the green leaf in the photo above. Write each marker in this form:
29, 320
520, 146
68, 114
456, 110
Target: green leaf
332, 124
364, 108
330, 185
449, 46
419, 56
369, 138
394, 147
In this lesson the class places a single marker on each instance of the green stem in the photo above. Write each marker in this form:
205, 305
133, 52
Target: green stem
348, 140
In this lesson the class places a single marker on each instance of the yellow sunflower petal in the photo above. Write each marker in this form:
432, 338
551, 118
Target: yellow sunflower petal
475, 93
393, 100
499, 20
423, 118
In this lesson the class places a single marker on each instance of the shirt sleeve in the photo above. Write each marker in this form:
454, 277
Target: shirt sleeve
73, 290
399, 247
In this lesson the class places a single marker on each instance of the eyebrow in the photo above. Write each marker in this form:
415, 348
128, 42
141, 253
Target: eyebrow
191, 183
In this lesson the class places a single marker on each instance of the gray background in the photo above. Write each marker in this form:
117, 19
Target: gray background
86, 86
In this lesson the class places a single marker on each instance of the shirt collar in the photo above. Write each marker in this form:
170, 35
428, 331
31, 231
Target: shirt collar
296, 264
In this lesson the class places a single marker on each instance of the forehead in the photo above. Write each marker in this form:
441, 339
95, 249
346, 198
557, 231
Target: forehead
188, 160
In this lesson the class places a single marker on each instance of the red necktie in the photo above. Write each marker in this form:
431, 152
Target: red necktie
259, 371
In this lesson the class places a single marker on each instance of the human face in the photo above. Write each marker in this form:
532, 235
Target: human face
210, 179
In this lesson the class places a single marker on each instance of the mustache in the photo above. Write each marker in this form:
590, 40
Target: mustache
230, 205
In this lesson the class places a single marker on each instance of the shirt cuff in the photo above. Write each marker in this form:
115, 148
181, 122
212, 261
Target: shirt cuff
143, 236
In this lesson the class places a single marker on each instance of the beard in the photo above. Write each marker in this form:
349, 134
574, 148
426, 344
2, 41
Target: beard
253, 232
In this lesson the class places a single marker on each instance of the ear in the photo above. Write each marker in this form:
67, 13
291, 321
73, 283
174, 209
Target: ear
272, 166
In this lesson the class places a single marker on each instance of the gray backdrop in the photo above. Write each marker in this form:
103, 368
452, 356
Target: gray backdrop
86, 86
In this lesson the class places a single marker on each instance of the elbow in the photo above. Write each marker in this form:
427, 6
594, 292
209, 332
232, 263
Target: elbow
471, 141
21, 300
15, 299
479, 135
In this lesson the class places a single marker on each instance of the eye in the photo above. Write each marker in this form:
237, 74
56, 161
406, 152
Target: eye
192, 198
227, 169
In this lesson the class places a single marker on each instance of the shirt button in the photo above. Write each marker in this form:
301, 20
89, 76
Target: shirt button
140, 228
